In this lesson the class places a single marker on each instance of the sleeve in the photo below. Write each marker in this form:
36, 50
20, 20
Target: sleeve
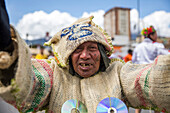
30, 86
147, 86
161, 50
134, 57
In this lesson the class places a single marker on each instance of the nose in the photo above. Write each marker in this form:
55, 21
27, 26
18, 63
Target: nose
85, 54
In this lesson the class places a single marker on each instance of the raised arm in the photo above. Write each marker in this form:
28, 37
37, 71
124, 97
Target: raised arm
148, 86
24, 83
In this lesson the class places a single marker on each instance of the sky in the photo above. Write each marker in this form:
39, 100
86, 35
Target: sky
36, 17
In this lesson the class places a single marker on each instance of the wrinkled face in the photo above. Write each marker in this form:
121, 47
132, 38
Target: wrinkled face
86, 59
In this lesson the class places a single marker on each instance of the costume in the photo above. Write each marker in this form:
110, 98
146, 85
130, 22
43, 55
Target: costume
147, 51
48, 84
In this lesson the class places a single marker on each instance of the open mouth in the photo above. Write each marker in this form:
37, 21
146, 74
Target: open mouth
85, 65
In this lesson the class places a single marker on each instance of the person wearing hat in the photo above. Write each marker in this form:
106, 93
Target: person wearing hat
81, 71
148, 50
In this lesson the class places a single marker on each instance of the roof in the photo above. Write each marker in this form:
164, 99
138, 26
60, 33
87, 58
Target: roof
116, 8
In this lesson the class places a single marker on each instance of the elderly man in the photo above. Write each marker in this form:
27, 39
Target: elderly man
82, 72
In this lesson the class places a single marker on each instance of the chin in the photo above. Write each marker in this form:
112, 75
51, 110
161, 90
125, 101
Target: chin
85, 75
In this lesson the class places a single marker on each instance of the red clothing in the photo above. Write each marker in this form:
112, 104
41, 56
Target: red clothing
128, 57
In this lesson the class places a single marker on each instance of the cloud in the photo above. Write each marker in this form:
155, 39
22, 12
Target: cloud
160, 20
134, 21
98, 17
38, 23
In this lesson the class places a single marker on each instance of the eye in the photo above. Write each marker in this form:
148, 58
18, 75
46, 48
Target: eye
78, 50
93, 48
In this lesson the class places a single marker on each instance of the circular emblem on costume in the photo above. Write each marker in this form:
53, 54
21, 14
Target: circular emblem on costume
73, 105
111, 105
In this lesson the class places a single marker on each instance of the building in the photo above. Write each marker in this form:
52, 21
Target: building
117, 22
117, 25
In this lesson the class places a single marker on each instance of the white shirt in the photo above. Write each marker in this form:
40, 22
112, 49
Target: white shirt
112, 56
147, 51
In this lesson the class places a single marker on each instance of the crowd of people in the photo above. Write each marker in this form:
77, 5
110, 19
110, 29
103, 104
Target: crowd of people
82, 71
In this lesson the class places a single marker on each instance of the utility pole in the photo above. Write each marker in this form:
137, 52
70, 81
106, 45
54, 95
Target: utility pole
138, 7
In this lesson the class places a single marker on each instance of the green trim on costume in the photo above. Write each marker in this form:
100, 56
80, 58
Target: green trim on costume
15, 88
117, 59
59, 63
146, 91
146, 85
39, 94
146, 88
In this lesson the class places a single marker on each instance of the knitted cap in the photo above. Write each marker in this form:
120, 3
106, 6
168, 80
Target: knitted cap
68, 39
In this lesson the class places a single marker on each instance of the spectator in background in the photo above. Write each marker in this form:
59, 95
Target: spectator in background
51, 55
148, 50
113, 55
47, 36
128, 57
41, 55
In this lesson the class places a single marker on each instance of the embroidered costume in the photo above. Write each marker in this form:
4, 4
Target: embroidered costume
47, 84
